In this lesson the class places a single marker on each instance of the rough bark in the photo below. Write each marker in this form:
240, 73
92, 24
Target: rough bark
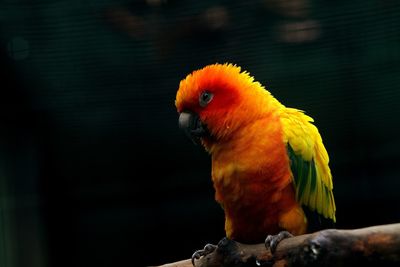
372, 246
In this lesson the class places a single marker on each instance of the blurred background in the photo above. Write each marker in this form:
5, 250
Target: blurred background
93, 168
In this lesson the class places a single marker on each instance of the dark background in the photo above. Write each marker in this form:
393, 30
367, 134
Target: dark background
93, 168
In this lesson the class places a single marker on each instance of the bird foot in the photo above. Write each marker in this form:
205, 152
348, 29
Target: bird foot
272, 241
209, 248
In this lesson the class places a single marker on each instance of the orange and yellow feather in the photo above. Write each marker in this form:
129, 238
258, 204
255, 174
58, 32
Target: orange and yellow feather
267, 160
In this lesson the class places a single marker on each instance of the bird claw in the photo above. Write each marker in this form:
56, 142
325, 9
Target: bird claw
209, 248
272, 241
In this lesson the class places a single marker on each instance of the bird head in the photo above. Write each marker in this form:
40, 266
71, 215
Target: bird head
216, 101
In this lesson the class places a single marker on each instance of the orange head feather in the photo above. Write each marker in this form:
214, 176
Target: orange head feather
237, 99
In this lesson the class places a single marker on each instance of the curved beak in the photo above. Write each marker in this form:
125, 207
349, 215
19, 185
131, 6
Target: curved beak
191, 124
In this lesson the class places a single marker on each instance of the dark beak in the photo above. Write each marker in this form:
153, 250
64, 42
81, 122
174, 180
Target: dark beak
191, 124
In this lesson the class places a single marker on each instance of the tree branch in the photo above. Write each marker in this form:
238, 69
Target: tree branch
360, 247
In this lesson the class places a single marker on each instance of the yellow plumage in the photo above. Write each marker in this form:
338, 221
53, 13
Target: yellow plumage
306, 142
268, 161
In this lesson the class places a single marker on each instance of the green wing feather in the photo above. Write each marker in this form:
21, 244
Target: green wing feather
309, 160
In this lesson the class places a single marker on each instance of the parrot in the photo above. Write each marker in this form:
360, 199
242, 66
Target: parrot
269, 167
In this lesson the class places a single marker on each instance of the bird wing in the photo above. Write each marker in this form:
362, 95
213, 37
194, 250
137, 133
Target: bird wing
309, 159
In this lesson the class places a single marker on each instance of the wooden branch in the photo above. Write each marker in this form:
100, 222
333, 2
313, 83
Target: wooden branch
372, 246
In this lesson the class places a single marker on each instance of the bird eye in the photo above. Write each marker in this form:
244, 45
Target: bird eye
205, 98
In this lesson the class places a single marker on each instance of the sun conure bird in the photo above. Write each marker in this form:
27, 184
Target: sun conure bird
269, 166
